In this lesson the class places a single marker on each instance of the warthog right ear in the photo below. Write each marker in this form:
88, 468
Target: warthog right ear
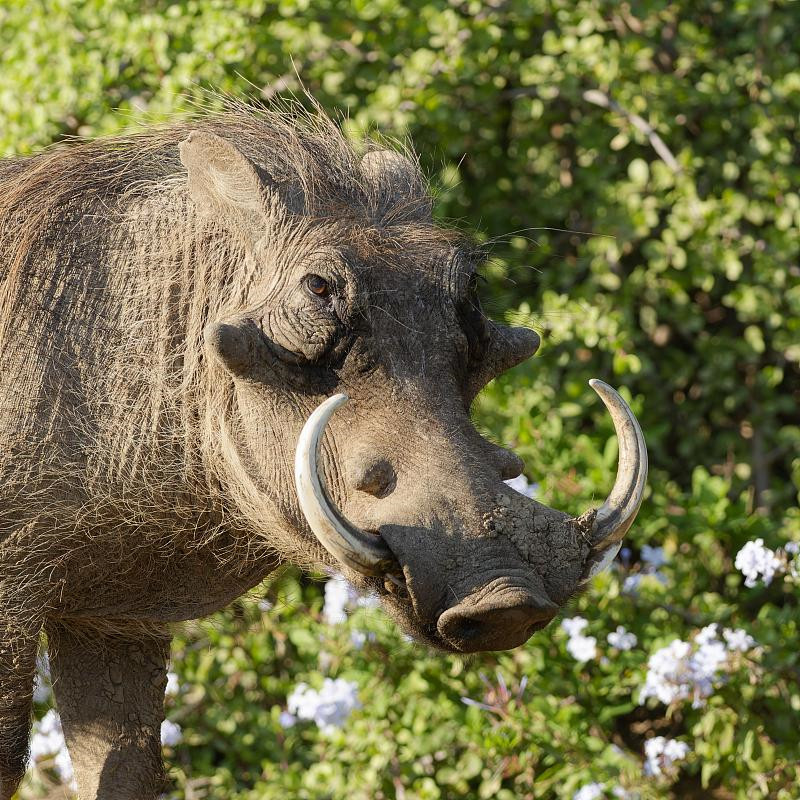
398, 182
224, 183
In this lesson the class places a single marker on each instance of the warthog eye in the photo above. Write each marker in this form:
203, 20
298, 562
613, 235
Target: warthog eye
318, 286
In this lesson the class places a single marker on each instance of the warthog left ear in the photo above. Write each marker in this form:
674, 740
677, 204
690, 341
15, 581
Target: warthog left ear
233, 342
224, 183
240, 346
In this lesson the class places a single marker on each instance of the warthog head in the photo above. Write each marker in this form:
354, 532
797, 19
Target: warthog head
357, 303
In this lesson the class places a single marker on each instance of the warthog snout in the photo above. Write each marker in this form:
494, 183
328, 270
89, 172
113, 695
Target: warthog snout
480, 567
502, 619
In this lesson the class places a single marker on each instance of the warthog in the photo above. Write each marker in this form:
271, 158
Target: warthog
182, 311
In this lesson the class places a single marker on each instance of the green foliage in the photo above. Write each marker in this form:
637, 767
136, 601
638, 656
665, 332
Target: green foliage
633, 171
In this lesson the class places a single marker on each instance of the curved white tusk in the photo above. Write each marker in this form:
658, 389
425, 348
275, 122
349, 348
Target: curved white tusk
618, 512
357, 549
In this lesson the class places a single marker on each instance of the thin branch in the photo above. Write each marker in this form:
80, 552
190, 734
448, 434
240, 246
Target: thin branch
601, 99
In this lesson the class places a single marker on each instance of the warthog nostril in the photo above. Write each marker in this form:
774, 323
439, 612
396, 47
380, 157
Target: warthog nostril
466, 629
495, 623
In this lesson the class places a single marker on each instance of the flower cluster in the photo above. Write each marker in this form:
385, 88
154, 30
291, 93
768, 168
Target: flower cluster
580, 647
653, 559
758, 562
661, 753
622, 639
340, 597
690, 669
593, 791
171, 733
359, 638
329, 707
173, 685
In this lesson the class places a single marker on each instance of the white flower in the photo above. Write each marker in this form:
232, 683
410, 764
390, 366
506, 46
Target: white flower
582, 648
589, 792
173, 685
359, 638
622, 794
708, 659
738, 639
755, 560
675, 750
47, 738
573, 625
41, 682
339, 595
520, 484
622, 639
631, 584
660, 754
63, 766
653, 556
667, 677
707, 634
171, 733
329, 707
41, 691
286, 720
264, 605
792, 547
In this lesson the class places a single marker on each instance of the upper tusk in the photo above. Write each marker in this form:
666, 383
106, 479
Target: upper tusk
357, 549
619, 511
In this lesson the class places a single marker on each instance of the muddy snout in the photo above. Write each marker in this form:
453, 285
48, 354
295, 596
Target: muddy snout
497, 619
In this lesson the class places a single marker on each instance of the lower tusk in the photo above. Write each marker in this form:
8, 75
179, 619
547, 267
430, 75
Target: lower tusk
353, 547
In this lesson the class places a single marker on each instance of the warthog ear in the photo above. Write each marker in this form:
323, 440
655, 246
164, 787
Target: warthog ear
396, 177
223, 182
239, 344
233, 343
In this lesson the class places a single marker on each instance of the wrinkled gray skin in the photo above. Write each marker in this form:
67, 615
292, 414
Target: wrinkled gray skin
161, 350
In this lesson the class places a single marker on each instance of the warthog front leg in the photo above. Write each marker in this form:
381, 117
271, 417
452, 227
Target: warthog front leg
18, 646
110, 693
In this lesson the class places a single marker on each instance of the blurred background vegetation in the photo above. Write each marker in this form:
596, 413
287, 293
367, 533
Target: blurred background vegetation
633, 169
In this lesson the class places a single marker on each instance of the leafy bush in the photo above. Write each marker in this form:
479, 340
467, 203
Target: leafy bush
633, 171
